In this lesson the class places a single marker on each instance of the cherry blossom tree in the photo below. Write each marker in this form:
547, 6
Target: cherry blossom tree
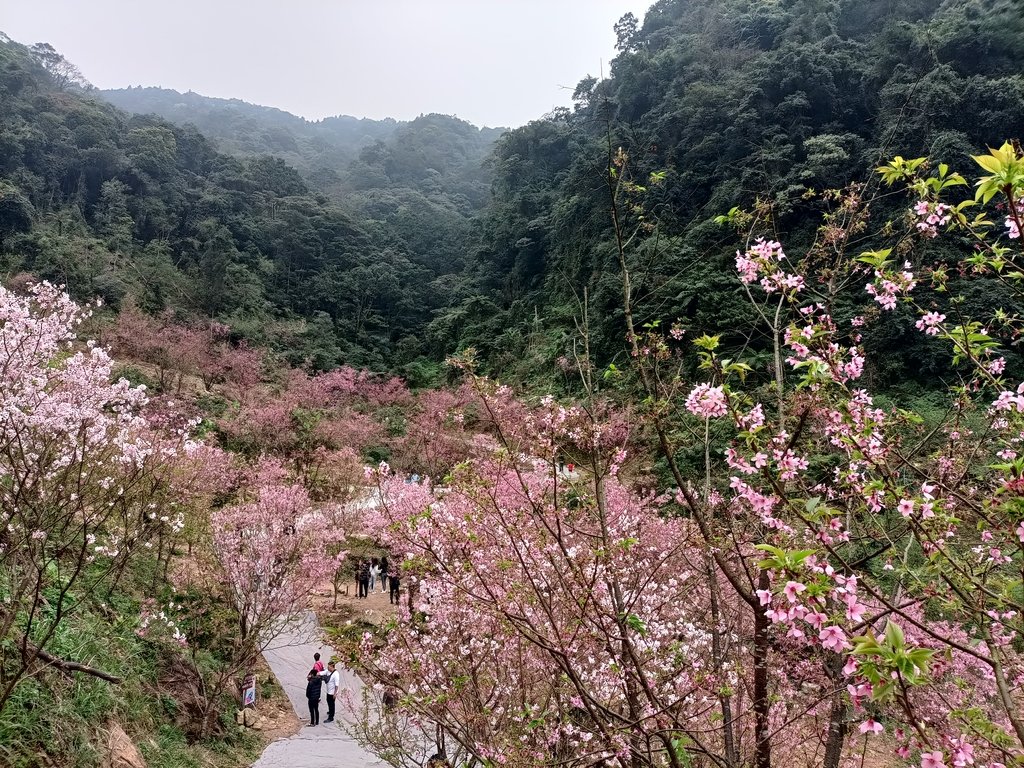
824, 486
86, 472
552, 619
310, 421
436, 437
178, 350
840, 569
271, 546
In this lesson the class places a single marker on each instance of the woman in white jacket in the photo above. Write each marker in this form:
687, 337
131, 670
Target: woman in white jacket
374, 573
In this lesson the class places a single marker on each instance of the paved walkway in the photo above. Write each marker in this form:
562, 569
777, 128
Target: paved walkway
290, 656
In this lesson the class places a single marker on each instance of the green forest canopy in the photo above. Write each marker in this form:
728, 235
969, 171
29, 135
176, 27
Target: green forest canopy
392, 245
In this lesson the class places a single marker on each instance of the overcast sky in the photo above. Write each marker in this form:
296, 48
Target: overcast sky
492, 62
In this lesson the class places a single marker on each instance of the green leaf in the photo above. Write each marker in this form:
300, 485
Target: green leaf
709, 343
894, 637
865, 645
989, 162
876, 259
635, 623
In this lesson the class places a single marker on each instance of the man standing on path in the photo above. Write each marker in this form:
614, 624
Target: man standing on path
333, 683
364, 578
393, 583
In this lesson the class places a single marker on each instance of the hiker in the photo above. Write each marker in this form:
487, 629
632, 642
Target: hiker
364, 578
313, 685
374, 573
390, 699
333, 683
317, 664
383, 573
393, 581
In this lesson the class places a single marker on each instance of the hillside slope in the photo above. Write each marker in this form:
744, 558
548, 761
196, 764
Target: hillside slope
731, 100
240, 128
133, 208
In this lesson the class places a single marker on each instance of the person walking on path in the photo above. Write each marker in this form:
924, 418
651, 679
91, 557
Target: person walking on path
374, 573
393, 583
364, 578
383, 574
313, 685
318, 665
333, 684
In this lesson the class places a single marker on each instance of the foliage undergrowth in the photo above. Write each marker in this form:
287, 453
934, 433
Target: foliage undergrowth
55, 718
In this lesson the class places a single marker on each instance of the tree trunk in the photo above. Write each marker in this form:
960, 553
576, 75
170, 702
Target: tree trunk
838, 718
762, 705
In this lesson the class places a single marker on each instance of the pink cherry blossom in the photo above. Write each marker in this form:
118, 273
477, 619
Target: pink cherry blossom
871, 726
930, 323
834, 639
793, 589
707, 401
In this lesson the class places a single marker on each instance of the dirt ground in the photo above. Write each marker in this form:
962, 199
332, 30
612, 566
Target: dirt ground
280, 719
374, 609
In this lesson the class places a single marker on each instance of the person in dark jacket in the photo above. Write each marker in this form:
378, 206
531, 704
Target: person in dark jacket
384, 574
314, 682
393, 582
363, 574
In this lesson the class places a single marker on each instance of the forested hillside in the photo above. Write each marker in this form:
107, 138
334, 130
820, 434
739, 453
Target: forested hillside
133, 208
393, 245
337, 154
238, 127
732, 100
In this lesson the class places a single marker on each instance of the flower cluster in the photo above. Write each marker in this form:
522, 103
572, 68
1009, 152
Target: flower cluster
889, 285
931, 323
931, 216
763, 260
707, 401
1010, 400
155, 623
816, 350
1012, 222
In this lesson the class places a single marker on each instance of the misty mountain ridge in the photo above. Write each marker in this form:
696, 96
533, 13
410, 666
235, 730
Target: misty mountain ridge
315, 247
413, 240
240, 128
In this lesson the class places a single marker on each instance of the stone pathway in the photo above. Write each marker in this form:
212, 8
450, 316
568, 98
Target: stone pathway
290, 656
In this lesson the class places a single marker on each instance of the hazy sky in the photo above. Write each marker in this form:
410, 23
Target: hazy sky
492, 62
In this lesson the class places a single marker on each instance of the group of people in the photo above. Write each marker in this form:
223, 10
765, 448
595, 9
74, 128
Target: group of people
315, 681
370, 571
